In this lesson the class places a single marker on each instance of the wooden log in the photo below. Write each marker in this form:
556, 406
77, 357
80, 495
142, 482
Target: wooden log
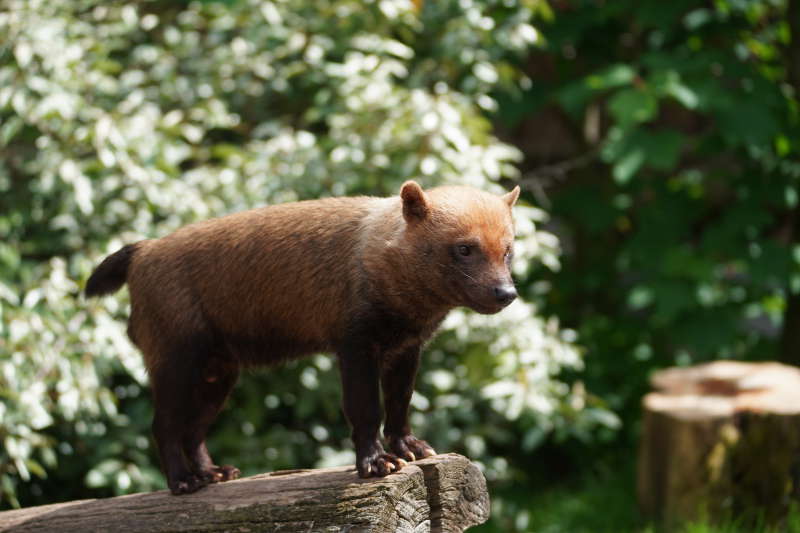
445, 493
719, 441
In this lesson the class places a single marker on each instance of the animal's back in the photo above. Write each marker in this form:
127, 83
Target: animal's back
281, 275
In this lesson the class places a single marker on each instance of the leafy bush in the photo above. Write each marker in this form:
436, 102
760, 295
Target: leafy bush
680, 202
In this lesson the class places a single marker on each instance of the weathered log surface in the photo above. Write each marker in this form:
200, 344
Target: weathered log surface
444, 493
720, 440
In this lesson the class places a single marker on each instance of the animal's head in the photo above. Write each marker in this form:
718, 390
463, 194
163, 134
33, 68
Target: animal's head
465, 236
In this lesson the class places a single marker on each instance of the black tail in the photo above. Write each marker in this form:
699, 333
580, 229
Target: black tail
111, 274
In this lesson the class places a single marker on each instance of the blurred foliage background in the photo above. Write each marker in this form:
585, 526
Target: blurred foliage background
656, 142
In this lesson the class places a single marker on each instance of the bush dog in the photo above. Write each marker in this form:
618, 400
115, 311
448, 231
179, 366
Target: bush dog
369, 279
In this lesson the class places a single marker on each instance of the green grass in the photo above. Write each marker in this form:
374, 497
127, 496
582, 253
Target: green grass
790, 525
600, 503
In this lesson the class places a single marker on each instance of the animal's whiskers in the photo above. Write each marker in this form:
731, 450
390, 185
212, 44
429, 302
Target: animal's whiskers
459, 270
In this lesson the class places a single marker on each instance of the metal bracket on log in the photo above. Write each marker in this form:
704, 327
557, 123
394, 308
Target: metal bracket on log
445, 493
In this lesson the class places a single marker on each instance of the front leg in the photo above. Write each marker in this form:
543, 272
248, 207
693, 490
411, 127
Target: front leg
397, 380
361, 402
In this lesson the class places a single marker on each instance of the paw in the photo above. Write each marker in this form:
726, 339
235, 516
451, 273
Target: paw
410, 447
187, 484
225, 473
378, 464
218, 474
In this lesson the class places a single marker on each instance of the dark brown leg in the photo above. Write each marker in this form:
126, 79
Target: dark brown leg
185, 404
169, 423
209, 399
361, 402
397, 381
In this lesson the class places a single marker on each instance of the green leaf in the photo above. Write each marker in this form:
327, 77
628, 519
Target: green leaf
36, 468
575, 96
628, 164
783, 146
629, 149
633, 105
9, 129
683, 94
9, 486
697, 18
668, 83
663, 148
747, 122
613, 76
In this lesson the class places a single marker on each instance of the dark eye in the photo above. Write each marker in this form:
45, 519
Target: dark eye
464, 250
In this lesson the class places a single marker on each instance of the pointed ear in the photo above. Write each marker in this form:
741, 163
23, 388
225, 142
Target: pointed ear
511, 197
415, 202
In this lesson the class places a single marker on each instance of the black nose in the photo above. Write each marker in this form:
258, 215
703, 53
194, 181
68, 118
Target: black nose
505, 294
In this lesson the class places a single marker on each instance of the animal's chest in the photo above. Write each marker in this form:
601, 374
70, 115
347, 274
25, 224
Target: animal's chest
385, 331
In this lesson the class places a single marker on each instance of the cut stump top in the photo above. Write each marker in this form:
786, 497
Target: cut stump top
723, 388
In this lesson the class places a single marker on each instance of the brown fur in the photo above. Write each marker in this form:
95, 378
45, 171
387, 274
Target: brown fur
284, 267
367, 278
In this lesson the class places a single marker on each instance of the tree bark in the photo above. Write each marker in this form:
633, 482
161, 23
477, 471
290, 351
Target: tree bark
720, 441
444, 493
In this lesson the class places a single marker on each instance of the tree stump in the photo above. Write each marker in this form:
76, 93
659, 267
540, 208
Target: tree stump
444, 493
720, 440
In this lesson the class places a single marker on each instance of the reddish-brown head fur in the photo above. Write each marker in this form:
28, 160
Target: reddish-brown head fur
463, 239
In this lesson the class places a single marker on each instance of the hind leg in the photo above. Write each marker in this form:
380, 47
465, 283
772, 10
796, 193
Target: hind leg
181, 410
218, 380
167, 425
